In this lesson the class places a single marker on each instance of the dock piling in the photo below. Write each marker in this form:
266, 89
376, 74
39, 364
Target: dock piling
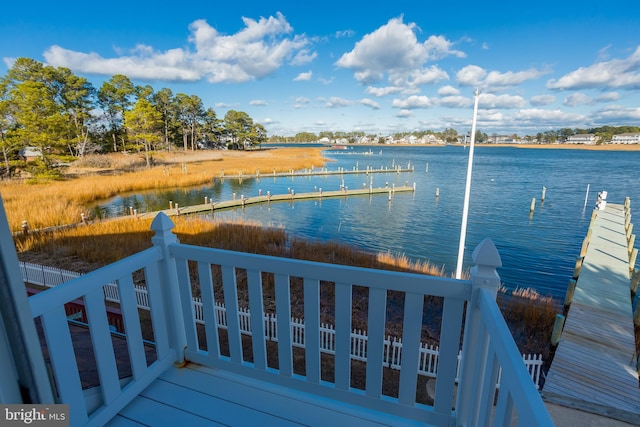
558, 325
533, 205
544, 193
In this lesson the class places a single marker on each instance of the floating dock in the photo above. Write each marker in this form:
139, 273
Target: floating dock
594, 368
275, 198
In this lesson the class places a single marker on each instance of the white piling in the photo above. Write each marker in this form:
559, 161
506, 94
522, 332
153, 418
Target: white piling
586, 197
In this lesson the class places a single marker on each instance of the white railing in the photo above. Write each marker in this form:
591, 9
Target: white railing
50, 277
487, 346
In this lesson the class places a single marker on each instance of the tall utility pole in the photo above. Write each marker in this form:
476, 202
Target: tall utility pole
467, 189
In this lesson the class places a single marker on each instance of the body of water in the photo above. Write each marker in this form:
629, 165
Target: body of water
538, 250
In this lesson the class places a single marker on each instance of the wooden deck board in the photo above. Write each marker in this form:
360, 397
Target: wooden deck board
593, 367
196, 395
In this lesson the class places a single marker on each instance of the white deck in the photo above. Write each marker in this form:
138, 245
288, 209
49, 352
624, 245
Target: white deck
199, 396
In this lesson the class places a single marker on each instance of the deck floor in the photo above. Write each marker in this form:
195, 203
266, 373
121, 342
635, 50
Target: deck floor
593, 368
200, 396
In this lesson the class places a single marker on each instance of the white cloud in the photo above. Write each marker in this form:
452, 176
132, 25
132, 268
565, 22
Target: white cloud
413, 102
300, 102
454, 101
549, 117
471, 75
608, 97
303, 76
344, 33
448, 91
489, 100
257, 50
509, 79
393, 49
542, 100
370, 103
335, 102
617, 73
619, 115
404, 113
258, 103
174, 64
382, 91
577, 99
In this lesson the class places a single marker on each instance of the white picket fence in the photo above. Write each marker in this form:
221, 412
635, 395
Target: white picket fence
50, 277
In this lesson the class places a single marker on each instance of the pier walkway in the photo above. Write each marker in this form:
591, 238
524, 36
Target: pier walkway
273, 198
594, 367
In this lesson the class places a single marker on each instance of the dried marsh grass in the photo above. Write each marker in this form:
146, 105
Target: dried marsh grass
58, 203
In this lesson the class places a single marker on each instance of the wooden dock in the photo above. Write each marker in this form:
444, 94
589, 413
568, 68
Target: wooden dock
594, 367
319, 172
240, 202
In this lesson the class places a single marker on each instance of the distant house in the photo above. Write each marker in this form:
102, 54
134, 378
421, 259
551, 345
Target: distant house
585, 138
30, 153
504, 139
626, 138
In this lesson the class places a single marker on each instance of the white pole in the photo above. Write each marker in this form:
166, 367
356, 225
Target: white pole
467, 189
586, 197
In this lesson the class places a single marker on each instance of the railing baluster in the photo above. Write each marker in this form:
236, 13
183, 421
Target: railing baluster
208, 308
283, 315
411, 334
102, 345
312, 329
158, 315
448, 354
375, 340
63, 362
343, 336
230, 288
129, 309
254, 279
188, 315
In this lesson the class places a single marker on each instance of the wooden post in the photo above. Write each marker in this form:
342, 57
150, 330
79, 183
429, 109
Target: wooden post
585, 242
170, 204
636, 315
437, 192
632, 259
533, 205
544, 193
629, 231
558, 325
577, 268
571, 289
635, 277
632, 241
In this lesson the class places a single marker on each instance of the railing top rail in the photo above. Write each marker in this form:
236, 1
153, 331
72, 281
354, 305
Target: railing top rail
382, 279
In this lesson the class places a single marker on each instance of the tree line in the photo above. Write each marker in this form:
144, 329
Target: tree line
59, 115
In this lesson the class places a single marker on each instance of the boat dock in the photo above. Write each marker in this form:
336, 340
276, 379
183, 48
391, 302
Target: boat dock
242, 201
595, 364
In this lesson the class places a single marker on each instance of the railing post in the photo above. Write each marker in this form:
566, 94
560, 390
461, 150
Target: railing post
474, 346
163, 238
24, 376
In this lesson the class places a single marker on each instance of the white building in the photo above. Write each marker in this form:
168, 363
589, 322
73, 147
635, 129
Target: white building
586, 138
626, 138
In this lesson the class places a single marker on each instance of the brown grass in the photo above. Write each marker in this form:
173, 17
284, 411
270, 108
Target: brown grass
61, 202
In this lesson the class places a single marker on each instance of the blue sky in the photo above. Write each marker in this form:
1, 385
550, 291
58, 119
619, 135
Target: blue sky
378, 67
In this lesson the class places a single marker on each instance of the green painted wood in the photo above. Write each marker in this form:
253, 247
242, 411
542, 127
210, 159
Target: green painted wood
593, 365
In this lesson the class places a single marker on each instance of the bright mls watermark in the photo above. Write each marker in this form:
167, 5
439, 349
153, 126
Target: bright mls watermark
36, 415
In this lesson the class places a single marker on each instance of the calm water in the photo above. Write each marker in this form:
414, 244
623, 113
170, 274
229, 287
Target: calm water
537, 250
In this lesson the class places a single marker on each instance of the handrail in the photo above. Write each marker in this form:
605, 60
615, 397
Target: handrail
487, 346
